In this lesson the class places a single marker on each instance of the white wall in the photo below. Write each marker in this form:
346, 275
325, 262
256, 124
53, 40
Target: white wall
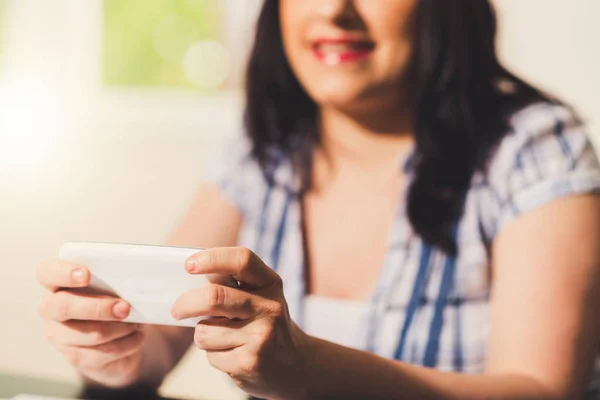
554, 43
124, 165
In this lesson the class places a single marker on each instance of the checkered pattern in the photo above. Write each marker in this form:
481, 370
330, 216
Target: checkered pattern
427, 309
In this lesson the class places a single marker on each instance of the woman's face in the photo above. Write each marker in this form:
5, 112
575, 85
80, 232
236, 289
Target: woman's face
348, 54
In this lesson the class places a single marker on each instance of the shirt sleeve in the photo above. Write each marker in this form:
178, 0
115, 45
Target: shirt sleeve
235, 172
547, 155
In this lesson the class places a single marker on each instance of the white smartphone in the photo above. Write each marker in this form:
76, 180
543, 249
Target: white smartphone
149, 278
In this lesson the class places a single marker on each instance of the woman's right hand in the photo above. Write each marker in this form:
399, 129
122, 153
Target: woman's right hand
87, 329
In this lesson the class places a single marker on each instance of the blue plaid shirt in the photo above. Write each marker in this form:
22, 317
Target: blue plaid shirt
428, 308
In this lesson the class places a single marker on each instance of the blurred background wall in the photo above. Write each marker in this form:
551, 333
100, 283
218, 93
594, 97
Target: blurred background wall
109, 109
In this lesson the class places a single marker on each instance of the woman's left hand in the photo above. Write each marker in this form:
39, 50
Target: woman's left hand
254, 341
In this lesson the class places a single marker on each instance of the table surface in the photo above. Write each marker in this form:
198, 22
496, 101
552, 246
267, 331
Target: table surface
13, 385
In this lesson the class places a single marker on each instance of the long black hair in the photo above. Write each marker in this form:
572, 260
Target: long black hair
461, 101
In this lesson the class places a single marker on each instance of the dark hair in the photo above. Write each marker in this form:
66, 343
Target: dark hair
461, 100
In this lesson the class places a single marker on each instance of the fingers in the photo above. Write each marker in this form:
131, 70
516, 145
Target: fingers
217, 301
87, 333
236, 362
219, 334
104, 354
62, 274
241, 263
225, 280
64, 306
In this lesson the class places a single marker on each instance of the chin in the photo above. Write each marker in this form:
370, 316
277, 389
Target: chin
353, 103
353, 95
339, 97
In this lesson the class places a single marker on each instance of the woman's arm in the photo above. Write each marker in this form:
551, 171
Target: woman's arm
211, 221
545, 322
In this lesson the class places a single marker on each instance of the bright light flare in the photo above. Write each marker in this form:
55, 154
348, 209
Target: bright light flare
207, 64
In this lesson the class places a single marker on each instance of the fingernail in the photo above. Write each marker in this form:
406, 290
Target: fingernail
121, 310
78, 275
190, 264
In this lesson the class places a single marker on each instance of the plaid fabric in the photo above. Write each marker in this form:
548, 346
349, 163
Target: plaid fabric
428, 309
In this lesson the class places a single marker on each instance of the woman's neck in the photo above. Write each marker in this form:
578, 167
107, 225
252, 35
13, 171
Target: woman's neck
366, 141
360, 151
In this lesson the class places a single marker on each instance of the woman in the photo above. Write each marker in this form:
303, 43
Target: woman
424, 209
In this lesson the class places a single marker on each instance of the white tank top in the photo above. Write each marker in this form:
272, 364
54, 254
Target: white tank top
334, 320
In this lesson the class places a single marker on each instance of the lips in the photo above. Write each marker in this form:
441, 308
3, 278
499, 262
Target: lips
342, 50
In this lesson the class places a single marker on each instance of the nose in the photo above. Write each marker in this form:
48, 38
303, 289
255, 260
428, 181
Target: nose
342, 12
329, 8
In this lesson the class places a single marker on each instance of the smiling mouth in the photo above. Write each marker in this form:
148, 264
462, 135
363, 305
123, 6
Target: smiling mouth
342, 51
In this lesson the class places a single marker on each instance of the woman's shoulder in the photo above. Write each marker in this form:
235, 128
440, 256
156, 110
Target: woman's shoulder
547, 154
232, 158
241, 177
548, 137
544, 115
232, 169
